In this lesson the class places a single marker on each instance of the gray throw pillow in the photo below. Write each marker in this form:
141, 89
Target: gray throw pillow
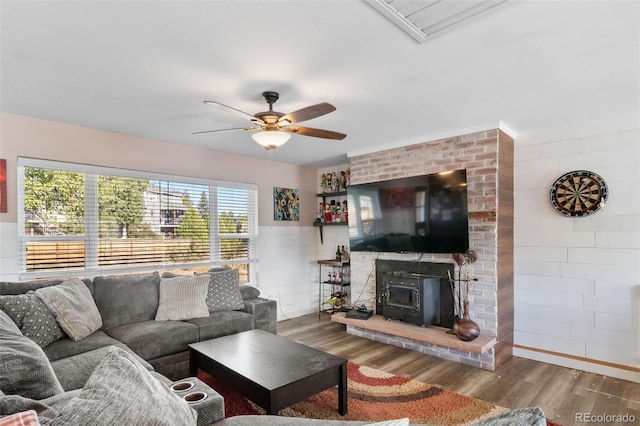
24, 368
74, 308
183, 298
120, 391
33, 317
124, 299
224, 291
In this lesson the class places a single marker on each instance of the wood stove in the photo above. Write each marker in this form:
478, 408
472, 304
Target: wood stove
433, 270
411, 298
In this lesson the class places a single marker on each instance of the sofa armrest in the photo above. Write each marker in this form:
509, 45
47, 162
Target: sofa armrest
265, 314
211, 409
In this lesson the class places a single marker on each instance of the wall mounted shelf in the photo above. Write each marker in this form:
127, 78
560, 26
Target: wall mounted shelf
321, 224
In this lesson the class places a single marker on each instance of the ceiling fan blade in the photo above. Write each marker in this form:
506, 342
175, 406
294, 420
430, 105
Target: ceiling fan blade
237, 112
226, 130
316, 133
307, 113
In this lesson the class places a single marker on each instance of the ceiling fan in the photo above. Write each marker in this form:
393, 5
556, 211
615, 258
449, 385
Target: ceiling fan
274, 127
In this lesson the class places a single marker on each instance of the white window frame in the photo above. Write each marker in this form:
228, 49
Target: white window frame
90, 236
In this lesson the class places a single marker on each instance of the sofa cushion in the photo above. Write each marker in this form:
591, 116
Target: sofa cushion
224, 290
183, 298
168, 274
24, 368
124, 299
47, 409
74, 308
66, 347
249, 292
152, 339
74, 371
121, 391
174, 366
222, 323
33, 317
7, 287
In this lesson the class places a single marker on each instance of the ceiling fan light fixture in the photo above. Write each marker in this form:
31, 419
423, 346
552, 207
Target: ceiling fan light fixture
271, 139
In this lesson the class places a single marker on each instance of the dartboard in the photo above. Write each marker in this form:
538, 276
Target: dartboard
578, 193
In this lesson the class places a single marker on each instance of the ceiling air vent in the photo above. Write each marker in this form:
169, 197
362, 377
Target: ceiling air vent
422, 18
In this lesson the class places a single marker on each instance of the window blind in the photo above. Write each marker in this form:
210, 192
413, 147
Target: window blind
83, 218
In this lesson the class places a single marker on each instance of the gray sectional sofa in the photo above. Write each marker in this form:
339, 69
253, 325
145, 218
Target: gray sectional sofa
128, 310
128, 306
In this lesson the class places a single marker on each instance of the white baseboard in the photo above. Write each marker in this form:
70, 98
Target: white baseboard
591, 367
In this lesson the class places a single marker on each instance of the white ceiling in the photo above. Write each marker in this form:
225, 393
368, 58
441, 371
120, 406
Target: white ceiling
144, 67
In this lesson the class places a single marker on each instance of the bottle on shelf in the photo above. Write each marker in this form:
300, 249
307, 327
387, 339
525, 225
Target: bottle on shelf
344, 255
338, 254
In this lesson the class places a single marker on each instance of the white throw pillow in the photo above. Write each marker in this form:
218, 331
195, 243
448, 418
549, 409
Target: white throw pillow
73, 306
183, 298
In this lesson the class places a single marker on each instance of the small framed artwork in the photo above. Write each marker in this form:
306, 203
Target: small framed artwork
3, 186
286, 204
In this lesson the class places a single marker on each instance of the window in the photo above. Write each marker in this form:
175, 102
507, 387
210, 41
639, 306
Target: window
364, 208
84, 220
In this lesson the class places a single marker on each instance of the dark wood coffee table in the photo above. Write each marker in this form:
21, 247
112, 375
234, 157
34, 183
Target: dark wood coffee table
272, 371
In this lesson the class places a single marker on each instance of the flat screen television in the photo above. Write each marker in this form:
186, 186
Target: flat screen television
418, 214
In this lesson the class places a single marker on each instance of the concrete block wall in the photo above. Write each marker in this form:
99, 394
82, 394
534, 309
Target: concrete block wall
577, 280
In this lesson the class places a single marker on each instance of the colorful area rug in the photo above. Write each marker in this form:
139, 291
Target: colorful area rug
374, 396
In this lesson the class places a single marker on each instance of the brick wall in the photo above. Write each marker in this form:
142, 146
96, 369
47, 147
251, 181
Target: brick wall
480, 154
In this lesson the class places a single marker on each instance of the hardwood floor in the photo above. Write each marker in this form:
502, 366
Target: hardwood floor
561, 392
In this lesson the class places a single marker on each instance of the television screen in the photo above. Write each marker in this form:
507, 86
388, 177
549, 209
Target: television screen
422, 214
